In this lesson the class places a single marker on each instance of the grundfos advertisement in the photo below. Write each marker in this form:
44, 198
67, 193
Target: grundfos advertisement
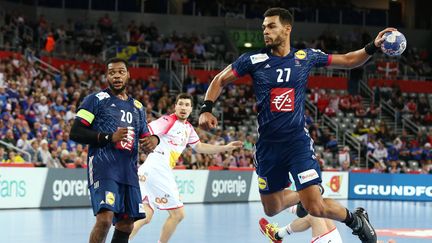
407, 187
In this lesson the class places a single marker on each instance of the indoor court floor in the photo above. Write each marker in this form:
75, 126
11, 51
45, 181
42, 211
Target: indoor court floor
405, 222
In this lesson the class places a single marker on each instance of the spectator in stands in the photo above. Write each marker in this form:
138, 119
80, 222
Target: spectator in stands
199, 50
345, 103
248, 143
361, 132
373, 110
3, 156
43, 155
427, 119
423, 106
9, 137
393, 153
64, 158
410, 107
344, 158
416, 152
360, 111
383, 133
377, 167
33, 150
380, 154
394, 167
332, 146
23, 143
14, 157
333, 106
50, 43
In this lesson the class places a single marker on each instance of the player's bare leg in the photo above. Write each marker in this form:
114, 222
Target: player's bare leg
328, 208
317, 206
140, 223
276, 202
101, 227
174, 218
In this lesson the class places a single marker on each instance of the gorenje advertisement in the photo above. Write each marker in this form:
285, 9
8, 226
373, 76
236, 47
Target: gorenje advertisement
228, 186
390, 187
66, 187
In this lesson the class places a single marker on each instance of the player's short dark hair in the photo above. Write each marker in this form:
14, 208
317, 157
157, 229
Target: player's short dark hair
116, 60
285, 15
184, 96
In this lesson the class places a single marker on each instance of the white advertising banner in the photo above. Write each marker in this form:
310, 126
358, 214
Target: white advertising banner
191, 184
21, 187
254, 194
335, 184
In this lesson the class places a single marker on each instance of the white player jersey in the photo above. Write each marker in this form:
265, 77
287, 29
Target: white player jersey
174, 136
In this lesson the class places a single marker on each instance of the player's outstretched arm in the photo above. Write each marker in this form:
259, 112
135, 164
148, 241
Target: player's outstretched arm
206, 148
357, 58
206, 119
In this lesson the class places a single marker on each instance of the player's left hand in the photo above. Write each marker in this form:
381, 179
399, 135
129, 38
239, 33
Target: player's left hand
149, 143
234, 145
380, 39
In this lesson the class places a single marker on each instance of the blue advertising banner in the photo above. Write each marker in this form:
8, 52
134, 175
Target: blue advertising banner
406, 187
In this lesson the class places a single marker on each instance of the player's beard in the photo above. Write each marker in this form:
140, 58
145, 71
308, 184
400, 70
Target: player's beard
275, 43
117, 91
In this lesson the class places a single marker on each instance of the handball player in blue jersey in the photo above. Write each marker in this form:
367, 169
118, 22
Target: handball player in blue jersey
279, 73
115, 127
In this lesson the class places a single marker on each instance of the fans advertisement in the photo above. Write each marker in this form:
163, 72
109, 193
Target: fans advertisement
21, 187
191, 184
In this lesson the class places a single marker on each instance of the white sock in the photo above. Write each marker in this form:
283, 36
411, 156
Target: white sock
292, 209
284, 231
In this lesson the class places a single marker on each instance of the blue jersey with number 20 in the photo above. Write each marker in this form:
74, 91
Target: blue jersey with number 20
105, 112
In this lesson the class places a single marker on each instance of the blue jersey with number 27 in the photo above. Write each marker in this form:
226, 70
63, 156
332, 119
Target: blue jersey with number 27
280, 86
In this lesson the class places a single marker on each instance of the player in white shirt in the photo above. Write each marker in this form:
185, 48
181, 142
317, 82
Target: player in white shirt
323, 230
157, 182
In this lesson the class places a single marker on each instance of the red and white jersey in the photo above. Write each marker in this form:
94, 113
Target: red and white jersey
174, 136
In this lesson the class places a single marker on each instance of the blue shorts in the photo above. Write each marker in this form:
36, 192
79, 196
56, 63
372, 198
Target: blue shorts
124, 200
274, 161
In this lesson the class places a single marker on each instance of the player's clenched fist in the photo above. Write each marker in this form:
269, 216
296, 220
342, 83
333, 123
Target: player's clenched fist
120, 135
149, 143
207, 121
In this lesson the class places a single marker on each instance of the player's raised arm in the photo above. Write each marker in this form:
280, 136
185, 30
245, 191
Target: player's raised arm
206, 119
357, 58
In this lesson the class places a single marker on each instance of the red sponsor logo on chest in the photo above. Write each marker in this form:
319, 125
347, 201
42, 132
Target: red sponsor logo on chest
282, 100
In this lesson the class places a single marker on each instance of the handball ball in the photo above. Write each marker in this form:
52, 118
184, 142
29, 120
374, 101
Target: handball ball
394, 43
